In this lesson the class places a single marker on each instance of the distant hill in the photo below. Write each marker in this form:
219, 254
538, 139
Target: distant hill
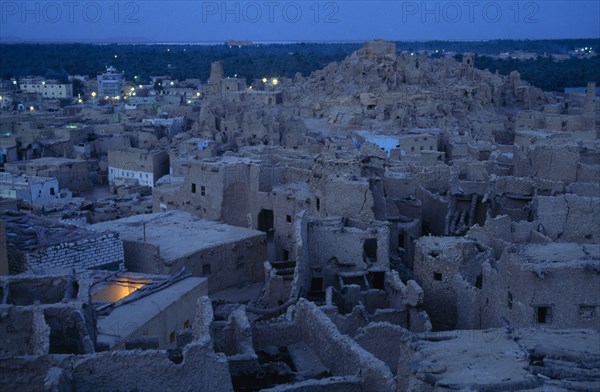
182, 61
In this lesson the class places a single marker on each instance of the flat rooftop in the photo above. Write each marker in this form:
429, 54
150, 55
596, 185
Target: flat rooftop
47, 161
126, 320
27, 232
558, 252
176, 233
493, 360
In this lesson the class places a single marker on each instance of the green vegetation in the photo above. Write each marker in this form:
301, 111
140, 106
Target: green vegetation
57, 61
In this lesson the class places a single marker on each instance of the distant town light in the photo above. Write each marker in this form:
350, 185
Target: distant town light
132, 89
172, 83
79, 100
14, 82
235, 75
94, 94
133, 94
43, 83
31, 108
264, 80
116, 56
198, 94
275, 82
140, 86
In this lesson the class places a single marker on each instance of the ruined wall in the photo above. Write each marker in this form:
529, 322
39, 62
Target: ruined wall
343, 244
383, 341
556, 162
202, 369
517, 287
341, 354
569, 218
347, 198
23, 332
437, 261
88, 253
433, 207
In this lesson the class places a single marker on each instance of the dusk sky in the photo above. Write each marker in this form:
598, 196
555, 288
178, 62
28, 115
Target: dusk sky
281, 21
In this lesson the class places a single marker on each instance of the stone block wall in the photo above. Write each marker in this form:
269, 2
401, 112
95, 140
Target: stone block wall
87, 253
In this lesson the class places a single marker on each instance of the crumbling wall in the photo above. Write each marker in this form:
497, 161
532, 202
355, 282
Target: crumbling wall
569, 218
561, 279
201, 369
22, 290
28, 373
349, 198
433, 207
338, 352
203, 320
383, 341
23, 331
437, 261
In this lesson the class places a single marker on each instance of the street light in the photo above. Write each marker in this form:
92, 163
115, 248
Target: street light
93, 94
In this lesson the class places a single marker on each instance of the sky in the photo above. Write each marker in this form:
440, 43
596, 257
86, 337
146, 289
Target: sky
198, 21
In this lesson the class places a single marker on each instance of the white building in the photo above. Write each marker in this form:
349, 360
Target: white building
136, 164
49, 89
36, 190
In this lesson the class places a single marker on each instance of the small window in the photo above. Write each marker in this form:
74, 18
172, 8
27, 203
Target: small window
318, 204
203, 191
172, 337
186, 324
288, 218
52, 191
587, 312
430, 148
421, 148
543, 314
206, 270
510, 300
412, 148
193, 188
437, 276
286, 255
